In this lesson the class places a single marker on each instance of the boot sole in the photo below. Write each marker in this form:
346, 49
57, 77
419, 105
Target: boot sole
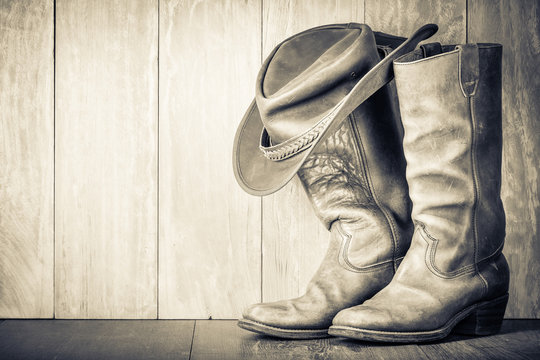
300, 334
483, 318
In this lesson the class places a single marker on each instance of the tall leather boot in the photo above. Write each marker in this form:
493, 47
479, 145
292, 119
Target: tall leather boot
454, 275
356, 183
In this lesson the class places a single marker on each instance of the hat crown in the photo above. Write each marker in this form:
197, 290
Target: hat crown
307, 75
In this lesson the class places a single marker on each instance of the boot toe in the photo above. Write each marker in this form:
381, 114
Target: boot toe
255, 312
268, 314
363, 317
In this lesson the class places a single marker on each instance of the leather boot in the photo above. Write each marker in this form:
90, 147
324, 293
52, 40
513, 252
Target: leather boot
356, 183
454, 276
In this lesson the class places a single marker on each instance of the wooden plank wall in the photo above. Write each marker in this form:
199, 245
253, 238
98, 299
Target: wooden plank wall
26, 158
210, 230
116, 177
106, 159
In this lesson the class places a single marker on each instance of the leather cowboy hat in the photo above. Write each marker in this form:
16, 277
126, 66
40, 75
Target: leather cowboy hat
306, 87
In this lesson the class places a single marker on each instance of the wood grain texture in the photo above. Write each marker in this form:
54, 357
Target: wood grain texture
224, 340
213, 257
518, 339
516, 25
209, 228
96, 339
403, 17
106, 159
26, 158
294, 240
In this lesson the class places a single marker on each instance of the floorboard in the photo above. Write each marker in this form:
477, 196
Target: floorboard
518, 339
95, 339
214, 339
222, 339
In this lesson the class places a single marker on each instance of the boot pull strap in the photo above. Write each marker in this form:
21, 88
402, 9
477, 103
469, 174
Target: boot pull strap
469, 68
431, 49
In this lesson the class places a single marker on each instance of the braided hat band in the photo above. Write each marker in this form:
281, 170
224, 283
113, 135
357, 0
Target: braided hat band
296, 144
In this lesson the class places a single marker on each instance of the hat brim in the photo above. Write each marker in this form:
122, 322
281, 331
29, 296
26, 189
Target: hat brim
258, 175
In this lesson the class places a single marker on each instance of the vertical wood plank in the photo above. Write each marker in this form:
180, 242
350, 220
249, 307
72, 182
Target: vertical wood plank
516, 25
402, 17
210, 234
26, 158
106, 159
294, 240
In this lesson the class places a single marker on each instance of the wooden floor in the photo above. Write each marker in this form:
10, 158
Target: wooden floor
222, 339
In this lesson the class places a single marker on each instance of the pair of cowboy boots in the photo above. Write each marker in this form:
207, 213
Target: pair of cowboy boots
391, 274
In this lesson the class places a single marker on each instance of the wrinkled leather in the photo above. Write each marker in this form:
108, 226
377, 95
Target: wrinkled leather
451, 112
356, 183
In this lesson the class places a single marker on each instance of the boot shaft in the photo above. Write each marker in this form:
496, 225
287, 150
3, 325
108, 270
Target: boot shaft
450, 103
357, 176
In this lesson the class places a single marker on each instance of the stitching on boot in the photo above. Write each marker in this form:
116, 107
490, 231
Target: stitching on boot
468, 73
476, 193
429, 257
365, 167
343, 257
497, 252
432, 247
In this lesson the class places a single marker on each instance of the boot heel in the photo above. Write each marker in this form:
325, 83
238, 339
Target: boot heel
486, 319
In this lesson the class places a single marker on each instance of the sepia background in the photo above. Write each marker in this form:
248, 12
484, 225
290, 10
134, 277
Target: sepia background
117, 197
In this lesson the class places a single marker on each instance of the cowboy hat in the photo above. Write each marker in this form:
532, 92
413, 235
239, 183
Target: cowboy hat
306, 87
